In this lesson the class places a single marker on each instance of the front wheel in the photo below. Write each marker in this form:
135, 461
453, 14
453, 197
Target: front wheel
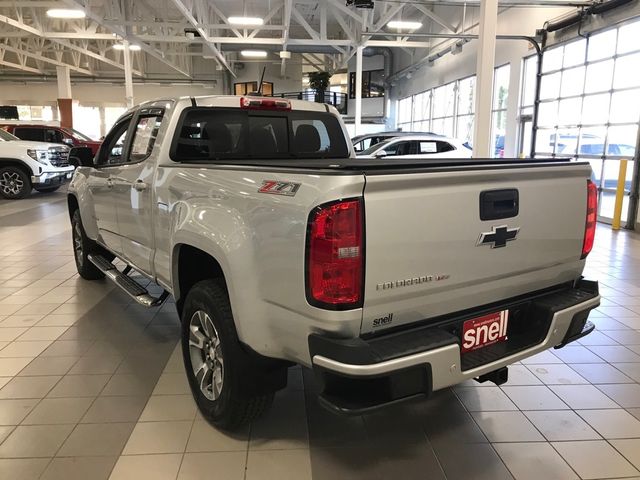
217, 368
82, 247
14, 183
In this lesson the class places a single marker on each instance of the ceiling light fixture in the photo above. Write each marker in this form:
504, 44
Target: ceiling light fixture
133, 47
254, 53
65, 13
402, 25
245, 21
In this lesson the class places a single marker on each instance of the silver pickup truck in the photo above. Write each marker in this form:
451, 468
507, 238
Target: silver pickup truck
390, 278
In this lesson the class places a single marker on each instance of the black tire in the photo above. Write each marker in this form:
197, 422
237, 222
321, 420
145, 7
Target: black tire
47, 189
83, 246
232, 407
14, 183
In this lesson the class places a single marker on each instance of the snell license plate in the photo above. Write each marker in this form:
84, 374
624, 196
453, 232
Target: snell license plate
483, 331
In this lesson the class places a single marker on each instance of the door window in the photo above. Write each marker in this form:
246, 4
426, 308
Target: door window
399, 148
428, 147
53, 136
144, 137
112, 150
33, 134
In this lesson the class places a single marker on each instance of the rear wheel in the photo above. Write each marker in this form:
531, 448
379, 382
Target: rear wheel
47, 189
217, 368
14, 183
82, 247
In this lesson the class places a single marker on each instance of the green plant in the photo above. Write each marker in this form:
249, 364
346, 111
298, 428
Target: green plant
319, 81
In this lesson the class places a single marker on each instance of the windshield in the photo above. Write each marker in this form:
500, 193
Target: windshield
6, 136
373, 148
76, 134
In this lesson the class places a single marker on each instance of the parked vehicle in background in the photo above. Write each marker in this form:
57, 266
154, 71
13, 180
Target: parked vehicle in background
25, 165
362, 142
51, 134
419, 146
390, 277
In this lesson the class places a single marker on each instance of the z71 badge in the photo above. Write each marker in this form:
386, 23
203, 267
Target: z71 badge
275, 187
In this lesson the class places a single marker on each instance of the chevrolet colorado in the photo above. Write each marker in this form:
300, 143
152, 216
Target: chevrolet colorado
25, 165
390, 278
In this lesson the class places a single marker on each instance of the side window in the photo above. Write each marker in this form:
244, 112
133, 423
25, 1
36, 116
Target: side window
52, 136
144, 137
444, 147
112, 148
428, 147
34, 134
400, 148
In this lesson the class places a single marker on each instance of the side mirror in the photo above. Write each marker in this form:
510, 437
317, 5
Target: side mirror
67, 141
81, 157
380, 154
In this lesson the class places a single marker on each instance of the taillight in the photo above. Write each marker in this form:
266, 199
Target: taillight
257, 103
335, 255
592, 217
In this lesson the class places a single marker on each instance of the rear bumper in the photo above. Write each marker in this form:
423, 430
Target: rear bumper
359, 374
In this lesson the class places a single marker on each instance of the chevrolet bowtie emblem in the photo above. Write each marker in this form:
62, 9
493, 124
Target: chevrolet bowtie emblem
498, 236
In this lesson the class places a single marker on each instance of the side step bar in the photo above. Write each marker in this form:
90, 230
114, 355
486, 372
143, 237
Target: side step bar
130, 286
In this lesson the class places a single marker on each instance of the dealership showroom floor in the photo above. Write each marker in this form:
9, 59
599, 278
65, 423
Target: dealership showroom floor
93, 387
326, 182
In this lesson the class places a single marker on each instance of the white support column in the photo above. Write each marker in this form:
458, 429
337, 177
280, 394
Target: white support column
64, 96
358, 113
103, 121
484, 79
128, 75
64, 82
513, 127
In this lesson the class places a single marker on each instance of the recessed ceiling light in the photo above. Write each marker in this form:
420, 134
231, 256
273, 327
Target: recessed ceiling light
402, 25
246, 21
254, 53
65, 13
133, 48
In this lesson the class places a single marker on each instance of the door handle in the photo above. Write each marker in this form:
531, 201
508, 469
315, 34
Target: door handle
109, 182
139, 185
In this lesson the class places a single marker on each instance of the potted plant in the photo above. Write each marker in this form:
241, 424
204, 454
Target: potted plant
319, 81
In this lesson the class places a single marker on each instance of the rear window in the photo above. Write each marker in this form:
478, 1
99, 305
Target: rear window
209, 134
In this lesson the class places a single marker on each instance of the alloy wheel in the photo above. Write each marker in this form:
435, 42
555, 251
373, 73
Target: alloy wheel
11, 183
206, 355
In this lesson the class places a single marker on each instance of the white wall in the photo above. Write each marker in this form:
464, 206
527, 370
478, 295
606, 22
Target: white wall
292, 81
372, 108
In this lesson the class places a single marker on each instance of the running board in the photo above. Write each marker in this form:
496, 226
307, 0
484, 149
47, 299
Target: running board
129, 285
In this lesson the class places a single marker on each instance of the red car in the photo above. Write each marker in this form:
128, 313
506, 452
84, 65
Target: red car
52, 134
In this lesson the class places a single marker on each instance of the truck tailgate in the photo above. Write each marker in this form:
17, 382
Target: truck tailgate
424, 256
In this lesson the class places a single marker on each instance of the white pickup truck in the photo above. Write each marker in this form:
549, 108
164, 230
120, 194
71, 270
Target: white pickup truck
28, 165
391, 278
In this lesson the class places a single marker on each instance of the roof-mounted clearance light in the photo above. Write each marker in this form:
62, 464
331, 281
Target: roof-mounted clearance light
265, 103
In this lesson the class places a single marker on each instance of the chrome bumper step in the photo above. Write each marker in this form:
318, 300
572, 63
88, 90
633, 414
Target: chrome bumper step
126, 283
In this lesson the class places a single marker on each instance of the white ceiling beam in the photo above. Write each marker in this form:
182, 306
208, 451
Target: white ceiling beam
343, 24
126, 36
304, 24
46, 35
344, 9
310, 61
207, 42
42, 58
436, 18
223, 17
266, 19
21, 67
396, 43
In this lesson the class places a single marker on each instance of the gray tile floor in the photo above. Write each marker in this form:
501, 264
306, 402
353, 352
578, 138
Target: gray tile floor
92, 387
